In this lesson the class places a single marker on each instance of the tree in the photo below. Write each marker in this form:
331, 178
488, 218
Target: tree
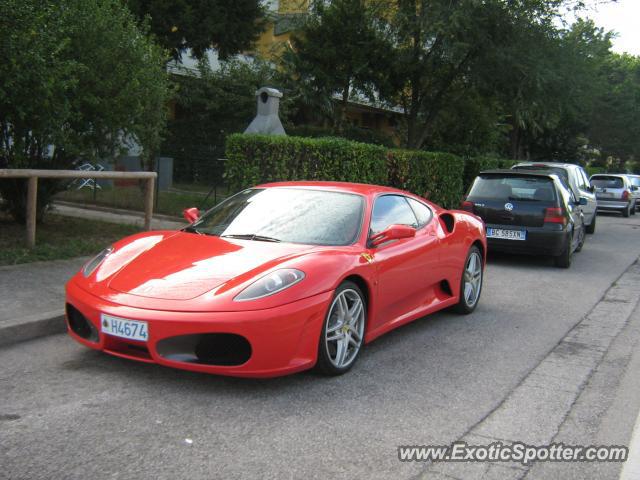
441, 45
209, 106
229, 26
340, 51
615, 123
80, 79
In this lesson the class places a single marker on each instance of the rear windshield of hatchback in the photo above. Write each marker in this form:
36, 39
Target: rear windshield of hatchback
516, 188
607, 182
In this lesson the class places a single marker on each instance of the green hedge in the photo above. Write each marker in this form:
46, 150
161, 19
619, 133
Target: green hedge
254, 159
433, 175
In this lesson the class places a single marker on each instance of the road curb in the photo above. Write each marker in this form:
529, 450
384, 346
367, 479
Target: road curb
28, 328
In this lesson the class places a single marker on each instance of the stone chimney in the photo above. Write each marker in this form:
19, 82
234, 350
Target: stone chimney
267, 121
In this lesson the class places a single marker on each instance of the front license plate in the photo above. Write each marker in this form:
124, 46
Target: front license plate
121, 327
505, 234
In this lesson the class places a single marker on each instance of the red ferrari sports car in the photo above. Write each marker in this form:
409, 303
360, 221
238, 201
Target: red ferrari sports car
277, 279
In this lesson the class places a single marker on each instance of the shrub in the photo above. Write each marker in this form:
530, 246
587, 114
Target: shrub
434, 175
253, 159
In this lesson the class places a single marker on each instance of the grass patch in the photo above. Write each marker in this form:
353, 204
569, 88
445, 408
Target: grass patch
57, 238
132, 198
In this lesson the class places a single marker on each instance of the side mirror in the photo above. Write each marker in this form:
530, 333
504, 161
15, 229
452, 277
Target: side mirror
592, 189
634, 188
191, 214
583, 201
392, 232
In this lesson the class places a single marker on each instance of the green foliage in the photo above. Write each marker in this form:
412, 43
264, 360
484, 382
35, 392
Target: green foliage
615, 123
350, 132
435, 176
79, 80
254, 159
333, 55
229, 26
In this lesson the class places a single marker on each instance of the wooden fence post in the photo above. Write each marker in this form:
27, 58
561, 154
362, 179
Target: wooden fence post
32, 210
148, 203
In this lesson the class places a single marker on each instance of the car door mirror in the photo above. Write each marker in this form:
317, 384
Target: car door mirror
392, 232
583, 201
191, 214
592, 189
634, 188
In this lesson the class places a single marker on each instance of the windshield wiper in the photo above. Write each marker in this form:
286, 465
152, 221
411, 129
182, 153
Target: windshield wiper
192, 229
251, 236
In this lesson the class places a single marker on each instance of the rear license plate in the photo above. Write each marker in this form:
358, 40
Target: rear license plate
505, 234
121, 327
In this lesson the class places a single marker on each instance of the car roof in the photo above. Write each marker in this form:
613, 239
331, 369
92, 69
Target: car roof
523, 173
348, 187
609, 175
546, 164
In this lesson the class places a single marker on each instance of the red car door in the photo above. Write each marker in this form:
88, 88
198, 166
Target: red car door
406, 268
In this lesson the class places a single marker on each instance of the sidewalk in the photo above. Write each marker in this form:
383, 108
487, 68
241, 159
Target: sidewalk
32, 298
114, 215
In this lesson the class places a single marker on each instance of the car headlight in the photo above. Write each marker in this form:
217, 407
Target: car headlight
92, 264
269, 284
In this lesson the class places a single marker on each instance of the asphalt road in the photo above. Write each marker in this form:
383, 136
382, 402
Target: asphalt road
69, 412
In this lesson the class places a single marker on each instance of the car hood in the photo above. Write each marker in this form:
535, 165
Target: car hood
186, 265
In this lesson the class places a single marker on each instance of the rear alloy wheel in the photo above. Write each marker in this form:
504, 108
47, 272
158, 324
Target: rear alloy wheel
627, 211
343, 330
591, 228
471, 283
564, 259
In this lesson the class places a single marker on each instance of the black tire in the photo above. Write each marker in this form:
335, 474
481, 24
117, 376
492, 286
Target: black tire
564, 259
591, 228
464, 306
584, 235
633, 208
325, 365
627, 211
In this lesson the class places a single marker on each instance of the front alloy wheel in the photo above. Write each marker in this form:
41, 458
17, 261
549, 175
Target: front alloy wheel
343, 331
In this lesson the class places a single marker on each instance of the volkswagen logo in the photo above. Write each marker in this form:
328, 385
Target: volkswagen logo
508, 207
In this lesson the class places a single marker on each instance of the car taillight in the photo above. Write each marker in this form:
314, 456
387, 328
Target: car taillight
625, 195
554, 215
467, 205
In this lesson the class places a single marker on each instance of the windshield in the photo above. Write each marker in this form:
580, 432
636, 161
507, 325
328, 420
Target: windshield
531, 189
607, 182
294, 215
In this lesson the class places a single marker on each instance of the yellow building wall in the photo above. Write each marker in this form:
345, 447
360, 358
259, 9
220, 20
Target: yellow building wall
293, 6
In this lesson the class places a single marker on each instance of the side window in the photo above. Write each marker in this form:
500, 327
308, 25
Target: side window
391, 210
423, 213
587, 183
